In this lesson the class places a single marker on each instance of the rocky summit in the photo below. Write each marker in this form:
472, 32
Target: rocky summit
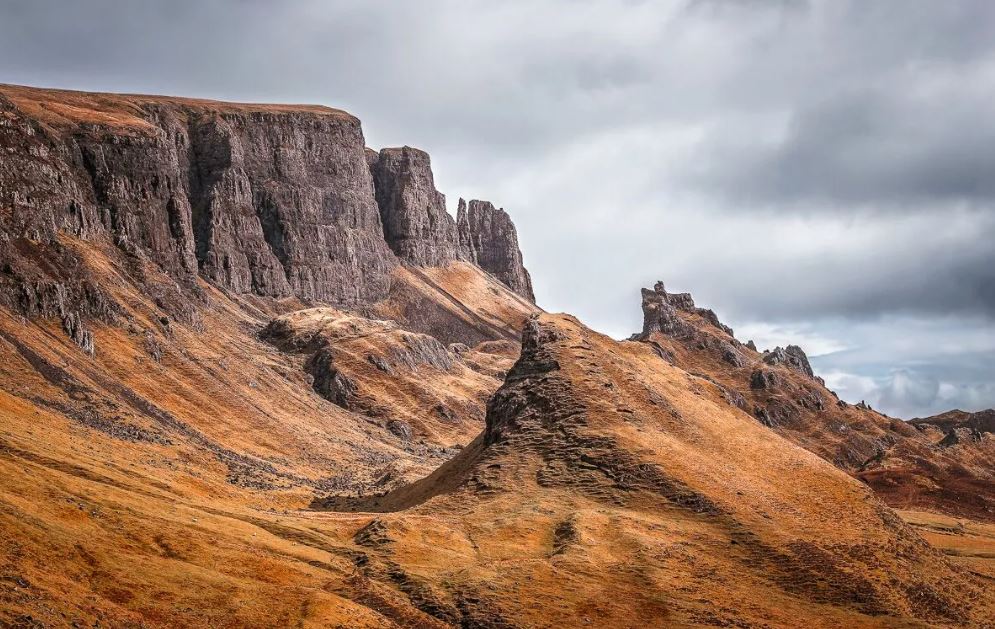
255, 374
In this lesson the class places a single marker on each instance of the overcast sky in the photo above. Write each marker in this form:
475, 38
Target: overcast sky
818, 172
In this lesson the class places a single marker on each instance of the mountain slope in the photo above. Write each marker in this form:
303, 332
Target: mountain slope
904, 461
949, 467
150, 482
246, 366
607, 486
600, 459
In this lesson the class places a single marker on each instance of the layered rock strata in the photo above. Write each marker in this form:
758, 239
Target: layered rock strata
269, 200
421, 232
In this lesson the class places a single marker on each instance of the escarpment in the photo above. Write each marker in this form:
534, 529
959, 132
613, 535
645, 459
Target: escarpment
494, 242
274, 201
284, 206
263, 200
422, 233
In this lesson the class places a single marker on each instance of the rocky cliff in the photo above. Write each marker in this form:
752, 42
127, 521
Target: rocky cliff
415, 222
268, 200
494, 242
421, 232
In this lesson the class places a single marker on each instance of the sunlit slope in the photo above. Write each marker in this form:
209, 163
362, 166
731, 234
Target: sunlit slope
613, 487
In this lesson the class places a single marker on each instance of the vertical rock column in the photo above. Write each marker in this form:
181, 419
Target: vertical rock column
494, 240
415, 222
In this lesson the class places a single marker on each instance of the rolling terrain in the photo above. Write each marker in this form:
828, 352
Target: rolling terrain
254, 374
943, 464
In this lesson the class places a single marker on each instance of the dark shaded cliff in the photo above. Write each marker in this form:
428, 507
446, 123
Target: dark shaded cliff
422, 233
274, 201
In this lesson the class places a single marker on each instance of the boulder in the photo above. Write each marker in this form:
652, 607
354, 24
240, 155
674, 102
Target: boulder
763, 379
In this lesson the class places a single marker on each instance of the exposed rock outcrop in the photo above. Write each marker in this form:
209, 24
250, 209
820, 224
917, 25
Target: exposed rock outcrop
940, 463
259, 199
407, 383
329, 381
283, 204
763, 379
959, 426
494, 242
73, 326
659, 314
792, 357
274, 201
415, 222
982, 421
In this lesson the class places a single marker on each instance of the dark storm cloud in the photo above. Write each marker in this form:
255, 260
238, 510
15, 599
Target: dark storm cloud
871, 149
925, 266
787, 161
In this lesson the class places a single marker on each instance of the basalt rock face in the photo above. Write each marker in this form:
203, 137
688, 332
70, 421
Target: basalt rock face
268, 200
284, 205
52, 183
659, 313
777, 388
494, 242
415, 222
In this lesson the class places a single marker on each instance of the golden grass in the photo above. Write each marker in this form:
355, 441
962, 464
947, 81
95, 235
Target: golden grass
62, 108
128, 533
966, 542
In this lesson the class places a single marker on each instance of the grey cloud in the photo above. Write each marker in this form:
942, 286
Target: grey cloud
914, 388
871, 150
915, 271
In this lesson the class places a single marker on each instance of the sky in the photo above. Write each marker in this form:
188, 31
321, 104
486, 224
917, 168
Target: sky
818, 172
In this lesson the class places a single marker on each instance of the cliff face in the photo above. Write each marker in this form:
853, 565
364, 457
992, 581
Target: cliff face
266, 200
494, 242
415, 222
284, 205
422, 233
275, 201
